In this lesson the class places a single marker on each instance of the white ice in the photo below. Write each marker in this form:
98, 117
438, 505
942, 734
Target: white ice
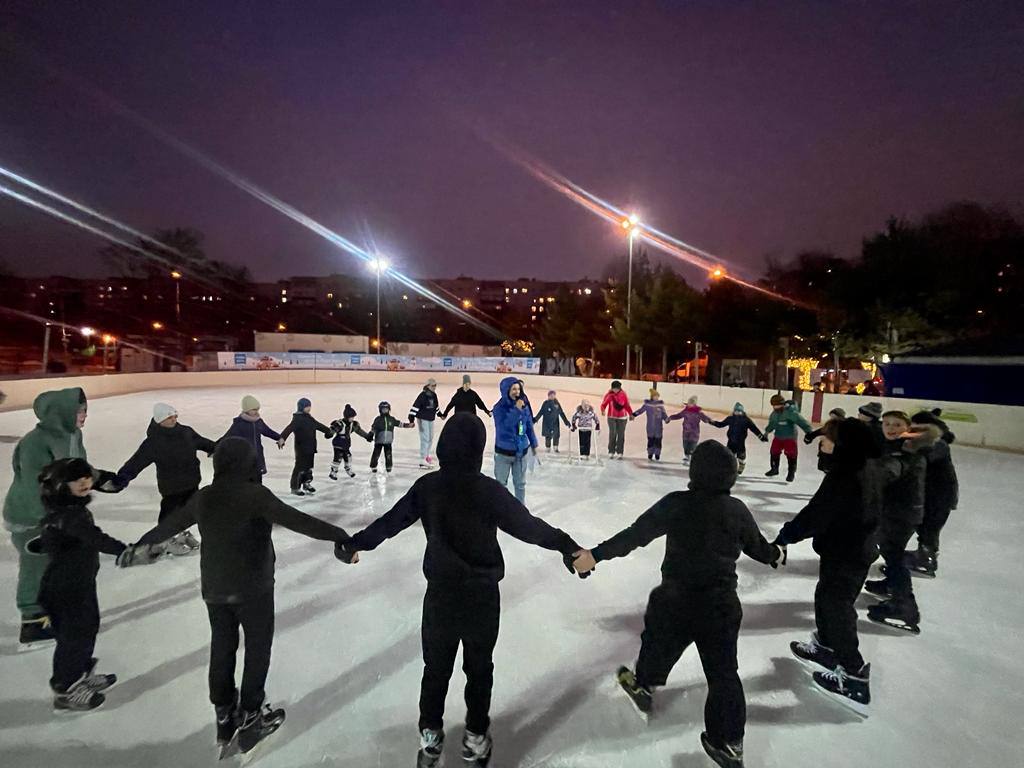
347, 664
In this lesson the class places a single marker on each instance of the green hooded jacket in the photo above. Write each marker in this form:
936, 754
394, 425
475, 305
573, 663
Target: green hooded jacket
784, 423
54, 437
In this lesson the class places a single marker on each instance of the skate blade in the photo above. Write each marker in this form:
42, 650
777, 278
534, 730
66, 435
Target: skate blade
36, 645
229, 750
644, 716
913, 629
854, 706
73, 712
810, 666
921, 574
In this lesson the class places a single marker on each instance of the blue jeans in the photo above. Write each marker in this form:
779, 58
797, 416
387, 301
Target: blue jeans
517, 465
426, 437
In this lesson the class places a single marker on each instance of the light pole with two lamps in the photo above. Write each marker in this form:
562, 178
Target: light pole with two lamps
379, 266
632, 227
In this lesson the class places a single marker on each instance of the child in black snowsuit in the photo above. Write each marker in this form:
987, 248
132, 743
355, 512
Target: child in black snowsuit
236, 515
172, 447
739, 424
841, 517
901, 474
696, 603
383, 429
825, 447
305, 428
73, 542
941, 495
342, 442
461, 511
551, 412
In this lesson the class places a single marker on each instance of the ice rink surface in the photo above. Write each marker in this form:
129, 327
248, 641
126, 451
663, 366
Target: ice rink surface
347, 665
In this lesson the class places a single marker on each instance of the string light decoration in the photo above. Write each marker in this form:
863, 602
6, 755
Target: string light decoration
804, 365
517, 347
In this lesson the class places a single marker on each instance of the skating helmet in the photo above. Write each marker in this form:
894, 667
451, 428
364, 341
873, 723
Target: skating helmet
383, 405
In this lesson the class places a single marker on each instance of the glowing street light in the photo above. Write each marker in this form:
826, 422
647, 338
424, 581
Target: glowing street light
378, 265
631, 225
466, 303
157, 325
282, 327
176, 275
87, 331
717, 273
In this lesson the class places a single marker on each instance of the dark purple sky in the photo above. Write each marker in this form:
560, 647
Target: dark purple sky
744, 128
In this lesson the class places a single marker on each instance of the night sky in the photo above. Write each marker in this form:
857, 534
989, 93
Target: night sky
744, 128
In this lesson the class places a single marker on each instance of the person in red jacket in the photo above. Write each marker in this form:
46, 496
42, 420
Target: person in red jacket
616, 405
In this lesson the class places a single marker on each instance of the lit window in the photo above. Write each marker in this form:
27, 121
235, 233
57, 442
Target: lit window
533, 317
515, 290
525, 291
284, 299
588, 291
330, 295
284, 291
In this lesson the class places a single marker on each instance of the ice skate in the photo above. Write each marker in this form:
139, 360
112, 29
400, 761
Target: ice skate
791, 471
298, 492
898, 613
97, 680
308, 488
725, 755
79, 697
349, 471
333, 474
774, 470
813, 654
431, 745
36, 633
740, 466
476, 749
227, 727
257, 725
850, 690
877, 587
924, 562
639, 695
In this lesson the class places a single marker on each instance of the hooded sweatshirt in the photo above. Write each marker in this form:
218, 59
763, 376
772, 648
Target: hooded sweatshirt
235, 515
54, 437
738, 424
425, 406
842, 515
513, 428
784, 423
706, 529
173, 450
657, 416
462, 510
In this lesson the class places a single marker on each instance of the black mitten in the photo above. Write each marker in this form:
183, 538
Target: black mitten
343, 553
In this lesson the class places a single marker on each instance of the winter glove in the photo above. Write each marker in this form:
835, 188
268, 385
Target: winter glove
343, 553
108, 482
35, 546
139, 554
573, 429
764, 438
569, 560
781, 559
808, 439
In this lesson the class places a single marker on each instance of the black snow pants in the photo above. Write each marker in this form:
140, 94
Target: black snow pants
466, 613
256, 618
174, 501
839, 585
75, 613
935, 517
893, 536
375, 456
303, 470
677, 618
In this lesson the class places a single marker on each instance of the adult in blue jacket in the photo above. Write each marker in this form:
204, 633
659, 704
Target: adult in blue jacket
513, 435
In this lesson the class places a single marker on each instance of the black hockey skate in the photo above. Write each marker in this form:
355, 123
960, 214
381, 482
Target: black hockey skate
878, 588
476, 749
333, 474
898, 614
98, 681
924, 562
726, 755
639, 695
813, 654
431, 746
227, 727
36, 632
308, 488
791, 472
850, 690
257, 725
79, 697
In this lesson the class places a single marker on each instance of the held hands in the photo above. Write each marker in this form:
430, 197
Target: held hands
572, 564
583, 562
139, 554
781, 559
346, 555
764, 438
280, 443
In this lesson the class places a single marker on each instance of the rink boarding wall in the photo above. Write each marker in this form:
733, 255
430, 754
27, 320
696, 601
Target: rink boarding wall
988, 426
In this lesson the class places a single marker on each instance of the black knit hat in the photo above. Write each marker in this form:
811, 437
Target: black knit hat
349, 412
55, 476
616, 384
871, 410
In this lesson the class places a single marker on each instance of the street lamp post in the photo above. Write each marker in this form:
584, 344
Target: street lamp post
379, 265
46, 349
177, 296
631, 225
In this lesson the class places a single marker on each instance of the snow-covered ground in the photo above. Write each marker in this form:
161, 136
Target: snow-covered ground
347, 663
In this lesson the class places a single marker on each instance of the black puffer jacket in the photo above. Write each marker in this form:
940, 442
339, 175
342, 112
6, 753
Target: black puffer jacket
73, 541
941, 486
235, 515
173, 450
461, 511
901, 470
305, 428
706, 529
843, 513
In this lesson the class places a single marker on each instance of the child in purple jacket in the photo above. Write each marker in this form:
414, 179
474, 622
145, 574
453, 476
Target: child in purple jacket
657, 417
692, 416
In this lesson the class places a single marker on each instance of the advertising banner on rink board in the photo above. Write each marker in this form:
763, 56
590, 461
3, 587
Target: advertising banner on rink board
345, 361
